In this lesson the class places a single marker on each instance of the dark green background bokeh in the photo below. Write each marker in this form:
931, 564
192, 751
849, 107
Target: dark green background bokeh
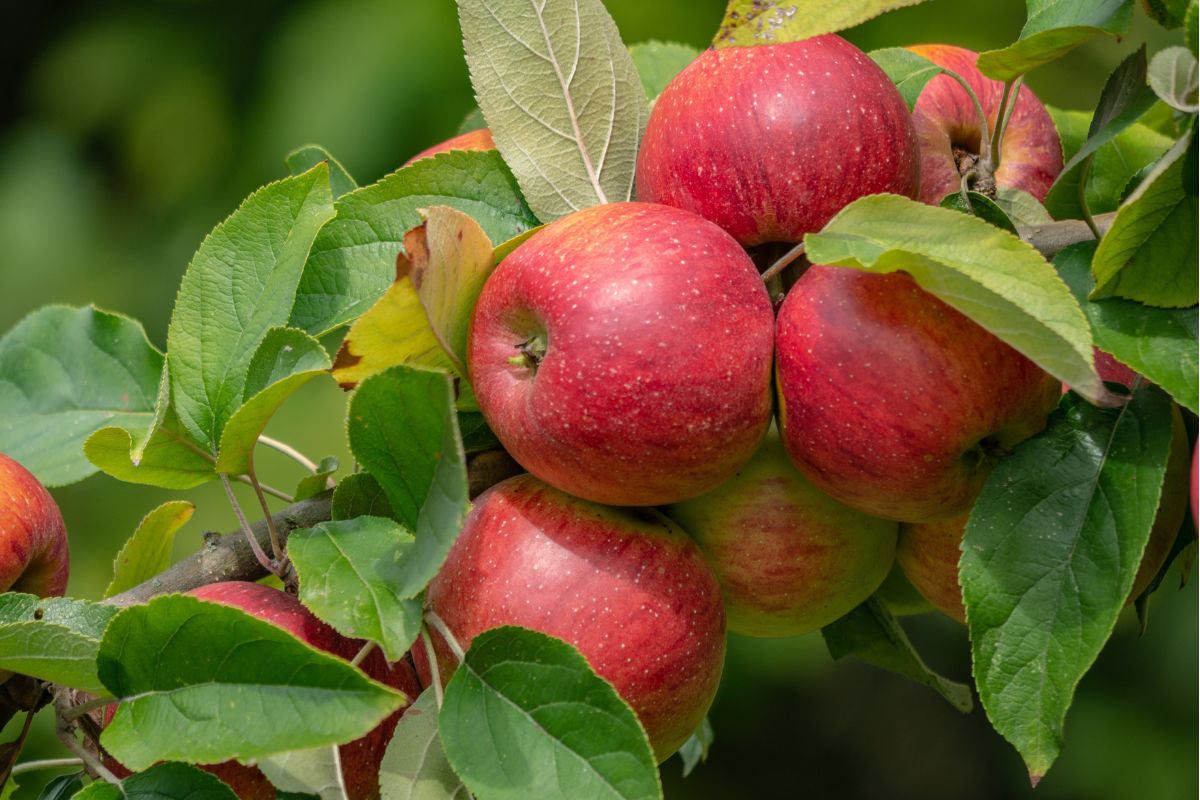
131, 128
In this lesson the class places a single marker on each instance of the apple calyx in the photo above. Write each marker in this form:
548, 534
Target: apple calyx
532, 351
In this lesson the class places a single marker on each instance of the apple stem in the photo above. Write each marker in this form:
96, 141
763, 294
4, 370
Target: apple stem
259, 554
441, 627
783, 262
75, 712
65, 730
362, 654
434, 671
1085, 170
290, 452
276, 542
1008, 104
985, 164
46, 763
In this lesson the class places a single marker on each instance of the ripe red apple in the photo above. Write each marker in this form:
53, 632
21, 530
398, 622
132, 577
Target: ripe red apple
627, 587
770, 142
929, 552
471, 140
34, 557
1109, 369
360, 758
893, 402
950, 132
790, 559
623, 354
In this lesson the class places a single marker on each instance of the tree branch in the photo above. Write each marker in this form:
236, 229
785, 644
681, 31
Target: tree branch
229, 557
1050, 238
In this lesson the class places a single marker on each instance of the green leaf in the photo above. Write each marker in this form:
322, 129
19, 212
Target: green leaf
754, 22
988, 274
1125, 98
360, 495
1150, 252
1021, 207
55, 638
353, 260
148, 551
476, 435
981, 206
61, 787
1159, 343
206, 683
240, 284
872, 634
1173, 77
1168, 13
1115, 163
168, 458
1052, 29
162, 782
404, 431
285, 360
562, 97
1191, 26
909, 71
554, 728
1049, 557
658, 62
302, 159
694, 751
307, 772
64, 373
348, 577
414, 767
313, 485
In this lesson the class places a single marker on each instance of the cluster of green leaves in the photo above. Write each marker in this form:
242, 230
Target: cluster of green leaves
83, 390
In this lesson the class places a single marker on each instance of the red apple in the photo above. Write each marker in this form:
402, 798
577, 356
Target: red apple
790, 559
34, 557
770, 142
929, 552
893, 402
360, 758
623, 354
626, 587
471, 140
950, 132
1109, 369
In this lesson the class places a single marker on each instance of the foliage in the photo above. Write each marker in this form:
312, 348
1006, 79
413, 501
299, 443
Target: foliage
388, 273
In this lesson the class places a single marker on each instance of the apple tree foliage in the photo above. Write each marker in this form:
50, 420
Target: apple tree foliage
389, 272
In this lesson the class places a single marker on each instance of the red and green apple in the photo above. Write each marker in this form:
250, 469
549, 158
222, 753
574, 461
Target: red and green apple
789, 557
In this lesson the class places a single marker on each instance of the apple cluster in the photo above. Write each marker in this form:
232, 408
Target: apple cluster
699, 458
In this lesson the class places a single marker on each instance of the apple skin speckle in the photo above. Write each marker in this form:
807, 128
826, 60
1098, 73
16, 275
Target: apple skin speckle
889, 399
625, 586
652, 381
770, 142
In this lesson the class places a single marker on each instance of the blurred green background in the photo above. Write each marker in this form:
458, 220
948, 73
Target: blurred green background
131, 128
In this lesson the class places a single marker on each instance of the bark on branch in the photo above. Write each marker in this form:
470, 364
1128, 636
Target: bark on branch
1055, 236
228, 557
